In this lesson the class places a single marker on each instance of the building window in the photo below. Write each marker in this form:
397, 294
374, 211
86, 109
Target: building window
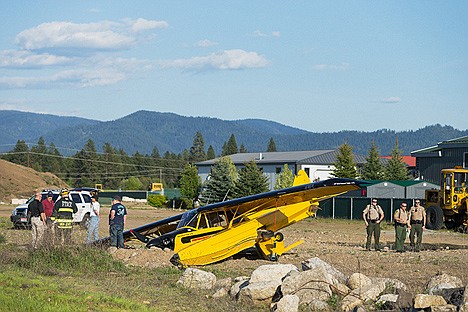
307, 170
278, 170
465, 160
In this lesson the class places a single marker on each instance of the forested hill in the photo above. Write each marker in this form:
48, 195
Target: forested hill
144, 130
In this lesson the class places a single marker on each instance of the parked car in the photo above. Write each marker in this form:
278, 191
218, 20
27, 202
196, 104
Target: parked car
81, 196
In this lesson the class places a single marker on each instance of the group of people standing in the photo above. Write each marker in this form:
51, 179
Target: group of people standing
52, 222
413, 219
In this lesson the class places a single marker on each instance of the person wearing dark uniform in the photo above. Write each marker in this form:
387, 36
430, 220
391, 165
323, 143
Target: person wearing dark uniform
63, 212
401, 224
38, 220
373, 215
117, 219
417, 217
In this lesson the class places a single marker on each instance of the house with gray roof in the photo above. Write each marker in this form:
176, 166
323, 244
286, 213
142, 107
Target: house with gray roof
317, 164
446, 154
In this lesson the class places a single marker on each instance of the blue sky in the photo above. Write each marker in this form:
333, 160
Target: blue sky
321, 66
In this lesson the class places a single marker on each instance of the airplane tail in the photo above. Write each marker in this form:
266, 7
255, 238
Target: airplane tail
301, 178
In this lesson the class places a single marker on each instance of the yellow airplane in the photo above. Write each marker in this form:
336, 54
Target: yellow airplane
218, 231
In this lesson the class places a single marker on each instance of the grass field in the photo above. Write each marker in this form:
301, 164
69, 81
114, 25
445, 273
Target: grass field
83, 278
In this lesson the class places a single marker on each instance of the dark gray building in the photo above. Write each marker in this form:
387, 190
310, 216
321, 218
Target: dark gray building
447, 154
317, 164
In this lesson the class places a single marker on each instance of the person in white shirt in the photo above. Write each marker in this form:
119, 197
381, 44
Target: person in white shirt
93, 228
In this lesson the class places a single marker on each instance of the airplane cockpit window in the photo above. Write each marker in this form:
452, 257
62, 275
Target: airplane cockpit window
187, 218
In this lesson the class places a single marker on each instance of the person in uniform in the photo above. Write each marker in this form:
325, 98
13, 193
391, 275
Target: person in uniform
373, 215
38, 220
401, 224
417, 215
63, 212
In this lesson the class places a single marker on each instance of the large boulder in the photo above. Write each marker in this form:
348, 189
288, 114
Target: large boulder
312, 263
235, 289
358, 280
259, 292
392, 283
423, 301
360, 296
271, 272
289, 303
437, 284
388, 302
308, 285
195, 278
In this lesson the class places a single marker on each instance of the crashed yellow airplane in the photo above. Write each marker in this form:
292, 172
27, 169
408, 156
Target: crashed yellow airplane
218, 231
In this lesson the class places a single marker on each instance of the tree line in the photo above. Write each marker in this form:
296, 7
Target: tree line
114, 168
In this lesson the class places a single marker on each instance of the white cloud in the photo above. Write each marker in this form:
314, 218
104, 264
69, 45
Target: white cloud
104, 35
392, 99
142, 24
205, 43
26, 59
342, 66
259, 33
71, 78
228, 59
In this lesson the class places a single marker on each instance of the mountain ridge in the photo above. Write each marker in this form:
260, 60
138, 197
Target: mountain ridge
143, 130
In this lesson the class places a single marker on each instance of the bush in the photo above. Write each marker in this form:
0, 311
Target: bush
157, 200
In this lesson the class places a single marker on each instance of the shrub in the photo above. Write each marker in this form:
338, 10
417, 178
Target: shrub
157, 200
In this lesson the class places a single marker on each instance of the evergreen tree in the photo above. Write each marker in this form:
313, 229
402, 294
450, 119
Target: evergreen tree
197, 151
396, 168
251, 181
86, 165
210, 154
284, 179
54, 162
20, 154
373, 168
39, 158
271, 146
242, 149
345, 167
190, 182
231, 147
221, 182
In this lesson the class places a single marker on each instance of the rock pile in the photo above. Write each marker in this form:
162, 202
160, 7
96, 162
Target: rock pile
323, 288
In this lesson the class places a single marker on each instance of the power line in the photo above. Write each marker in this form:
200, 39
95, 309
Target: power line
93, 160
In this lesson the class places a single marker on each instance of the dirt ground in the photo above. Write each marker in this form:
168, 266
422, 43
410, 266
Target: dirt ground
338, 242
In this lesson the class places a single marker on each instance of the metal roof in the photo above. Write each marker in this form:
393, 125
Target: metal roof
457, 142
303, 157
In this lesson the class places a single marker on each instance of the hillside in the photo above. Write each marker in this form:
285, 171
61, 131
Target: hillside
21, 182
144, 130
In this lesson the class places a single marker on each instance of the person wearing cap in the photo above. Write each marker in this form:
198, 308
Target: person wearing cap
93, 228
48, 204
373, 215
117, 220
38, 220
417, 215
401, 224
63, 212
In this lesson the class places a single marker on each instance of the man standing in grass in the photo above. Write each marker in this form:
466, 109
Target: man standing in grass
64, 209
118, 217
38, 220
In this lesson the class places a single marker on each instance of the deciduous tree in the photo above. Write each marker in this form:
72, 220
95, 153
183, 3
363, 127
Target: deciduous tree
284, 179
